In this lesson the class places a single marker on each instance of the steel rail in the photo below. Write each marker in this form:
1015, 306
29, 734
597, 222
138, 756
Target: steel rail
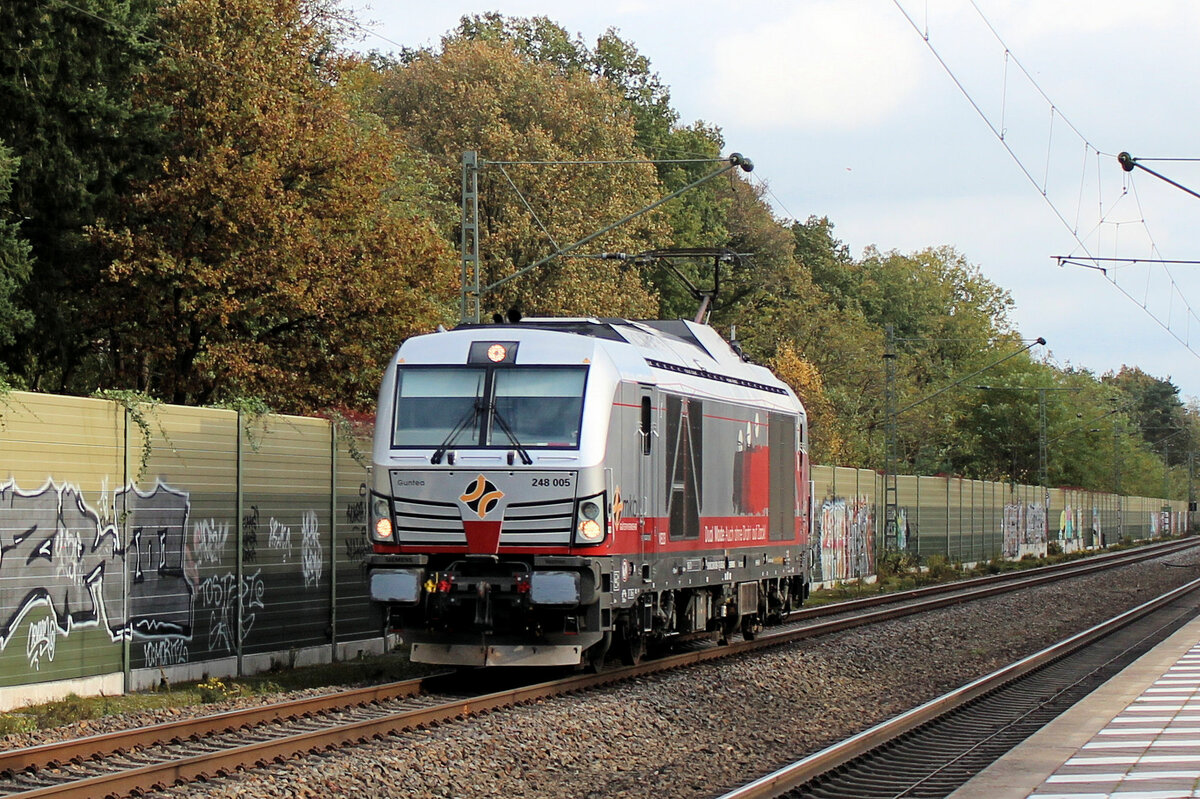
939, 599
1078, 567
797, 774
78, 749
190, 768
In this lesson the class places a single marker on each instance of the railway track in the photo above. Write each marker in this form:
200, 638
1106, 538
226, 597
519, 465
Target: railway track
933, 749
119, 764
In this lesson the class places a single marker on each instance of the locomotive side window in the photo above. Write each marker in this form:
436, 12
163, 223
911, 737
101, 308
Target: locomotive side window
542, 406
684, 438
432, 403
647, 422
781, 433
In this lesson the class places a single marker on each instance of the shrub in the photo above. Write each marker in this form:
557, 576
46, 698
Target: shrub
11, 723
896, 564
214, 690
940, 568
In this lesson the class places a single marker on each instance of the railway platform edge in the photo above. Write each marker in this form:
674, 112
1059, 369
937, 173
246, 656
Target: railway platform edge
1022, 772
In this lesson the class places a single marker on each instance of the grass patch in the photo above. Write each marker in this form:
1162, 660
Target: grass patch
73, 708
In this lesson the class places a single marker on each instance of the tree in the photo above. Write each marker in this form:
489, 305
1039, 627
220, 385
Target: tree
268, 257
826, 446
67, 73
487, 96
15, 264
1157, 411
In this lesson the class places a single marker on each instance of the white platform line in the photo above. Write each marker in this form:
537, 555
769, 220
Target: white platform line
1118, 795
1148, 743
1151, 731
1132, 760
1132, 777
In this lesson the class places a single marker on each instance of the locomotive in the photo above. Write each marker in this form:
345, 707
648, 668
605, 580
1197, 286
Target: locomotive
547, 489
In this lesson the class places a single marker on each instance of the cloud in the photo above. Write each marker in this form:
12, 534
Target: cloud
1030, 19
828, 64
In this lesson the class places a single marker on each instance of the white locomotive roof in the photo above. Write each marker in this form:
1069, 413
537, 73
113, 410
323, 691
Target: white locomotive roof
693, 357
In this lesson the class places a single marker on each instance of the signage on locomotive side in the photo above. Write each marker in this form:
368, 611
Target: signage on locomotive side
734, 533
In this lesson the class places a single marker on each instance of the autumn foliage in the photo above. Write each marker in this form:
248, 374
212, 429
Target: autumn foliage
223, 202
265, 258
482, 95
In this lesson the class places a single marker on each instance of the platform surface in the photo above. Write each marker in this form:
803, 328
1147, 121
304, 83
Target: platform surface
1135, 737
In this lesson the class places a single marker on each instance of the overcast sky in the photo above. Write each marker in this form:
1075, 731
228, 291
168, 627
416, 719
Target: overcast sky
847, 113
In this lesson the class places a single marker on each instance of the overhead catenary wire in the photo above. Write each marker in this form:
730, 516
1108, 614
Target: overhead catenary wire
987, 121
1070, 259
965, 378
1104, 215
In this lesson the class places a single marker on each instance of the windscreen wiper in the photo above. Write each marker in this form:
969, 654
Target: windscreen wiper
524, 453
471, 416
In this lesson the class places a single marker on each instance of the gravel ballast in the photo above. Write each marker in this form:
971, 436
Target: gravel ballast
699, 731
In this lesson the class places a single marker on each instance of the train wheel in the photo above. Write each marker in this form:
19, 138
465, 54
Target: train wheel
632, 646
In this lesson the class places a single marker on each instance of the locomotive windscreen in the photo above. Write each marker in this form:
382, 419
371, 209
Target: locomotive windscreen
499, 406
543, 406
437, 406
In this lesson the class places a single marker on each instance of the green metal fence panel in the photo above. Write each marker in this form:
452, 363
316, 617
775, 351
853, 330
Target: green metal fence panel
62, 608
907, 502
357, 616
179, 523
287, 480
933, 510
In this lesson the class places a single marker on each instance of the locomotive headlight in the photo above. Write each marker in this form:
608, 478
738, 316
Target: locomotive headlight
589, 523
381, 518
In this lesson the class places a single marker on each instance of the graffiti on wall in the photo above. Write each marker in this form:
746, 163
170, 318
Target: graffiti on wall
1024, 527
844, 541
310, 550
358, 546
64, 568
250, 536
279, 538
222, 598
1070, 529
41, 642
1035, 524
163, 570
1011, 546
1164, 523
56, 554
60, 554
165, 652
